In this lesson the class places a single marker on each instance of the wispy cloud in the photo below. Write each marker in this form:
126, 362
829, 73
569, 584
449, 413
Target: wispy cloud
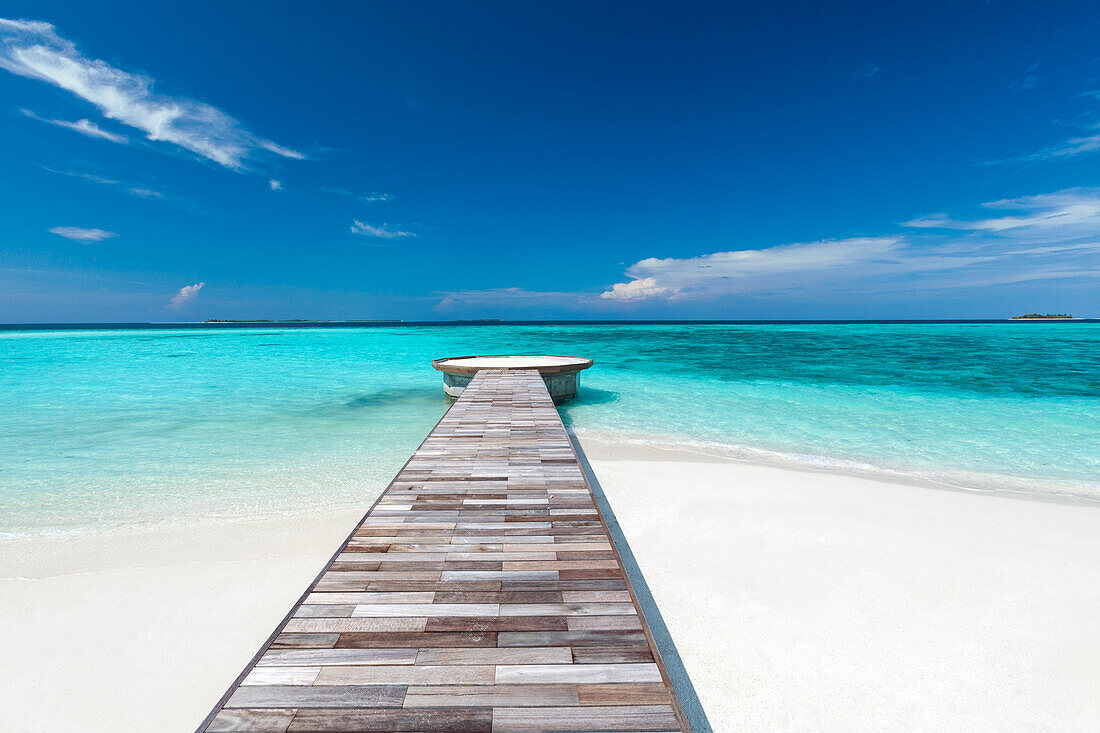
185, 296
33, 49
139, 190
381, 232
1088, 141
1029, 81
366, 197
1042, 237
1065, 214
275, 185
509, 298
865, 72
79, 234
1067, 149
84, 127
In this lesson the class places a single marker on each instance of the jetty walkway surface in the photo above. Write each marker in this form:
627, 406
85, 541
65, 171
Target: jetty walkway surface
482, 592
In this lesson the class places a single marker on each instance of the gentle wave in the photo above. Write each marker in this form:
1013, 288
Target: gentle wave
947, 478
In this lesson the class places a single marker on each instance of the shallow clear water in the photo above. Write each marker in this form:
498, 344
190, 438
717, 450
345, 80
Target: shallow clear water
101, 429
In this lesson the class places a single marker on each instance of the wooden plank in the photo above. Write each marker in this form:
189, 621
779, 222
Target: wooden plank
548, 655
571, 638
347, 696
499, 623
426, 609
604, 623
342, 657
357, 598
410, 675
546, 596
605, 654
281, 676
576, 673
594, 596
266, 720
444, 639
466, 696
342, 625
567, 609
624, 718
469, 720
620, 694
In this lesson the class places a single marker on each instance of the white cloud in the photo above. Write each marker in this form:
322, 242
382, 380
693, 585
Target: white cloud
1071, 147
866, 72
1073, 211
508, 297
84, 127
275, 185
1029, 81
79, 234
34, 50
372, 197
370, 230
639, 289
1040, 237
185, 296
141, 191
744, 270
1088, 142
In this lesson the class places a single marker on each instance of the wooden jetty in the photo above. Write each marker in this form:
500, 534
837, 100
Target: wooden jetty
481, 592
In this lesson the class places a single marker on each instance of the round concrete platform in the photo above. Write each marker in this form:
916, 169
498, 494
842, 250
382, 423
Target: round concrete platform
560, 373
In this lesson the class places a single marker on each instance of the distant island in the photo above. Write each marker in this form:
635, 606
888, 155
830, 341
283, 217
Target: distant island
1043, 317
261, 320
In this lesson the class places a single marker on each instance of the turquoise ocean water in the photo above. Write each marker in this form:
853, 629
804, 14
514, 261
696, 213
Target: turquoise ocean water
105, 429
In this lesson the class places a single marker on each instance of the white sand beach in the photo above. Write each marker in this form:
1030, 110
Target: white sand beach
805, 600
144, 631
796, 600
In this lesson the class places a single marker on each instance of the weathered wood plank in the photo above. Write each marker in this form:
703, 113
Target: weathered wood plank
624, 718
620, 694
281, 676
576, 673
251, 720
342, 657
348, 696
343, 625
410, 675
442, 639
470, 720
549, 655
464, 696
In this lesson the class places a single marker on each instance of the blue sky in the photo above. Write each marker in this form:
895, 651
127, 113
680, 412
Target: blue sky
563, 160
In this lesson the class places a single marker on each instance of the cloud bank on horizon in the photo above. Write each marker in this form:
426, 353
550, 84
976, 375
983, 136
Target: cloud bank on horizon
1049, 236
1015, 247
